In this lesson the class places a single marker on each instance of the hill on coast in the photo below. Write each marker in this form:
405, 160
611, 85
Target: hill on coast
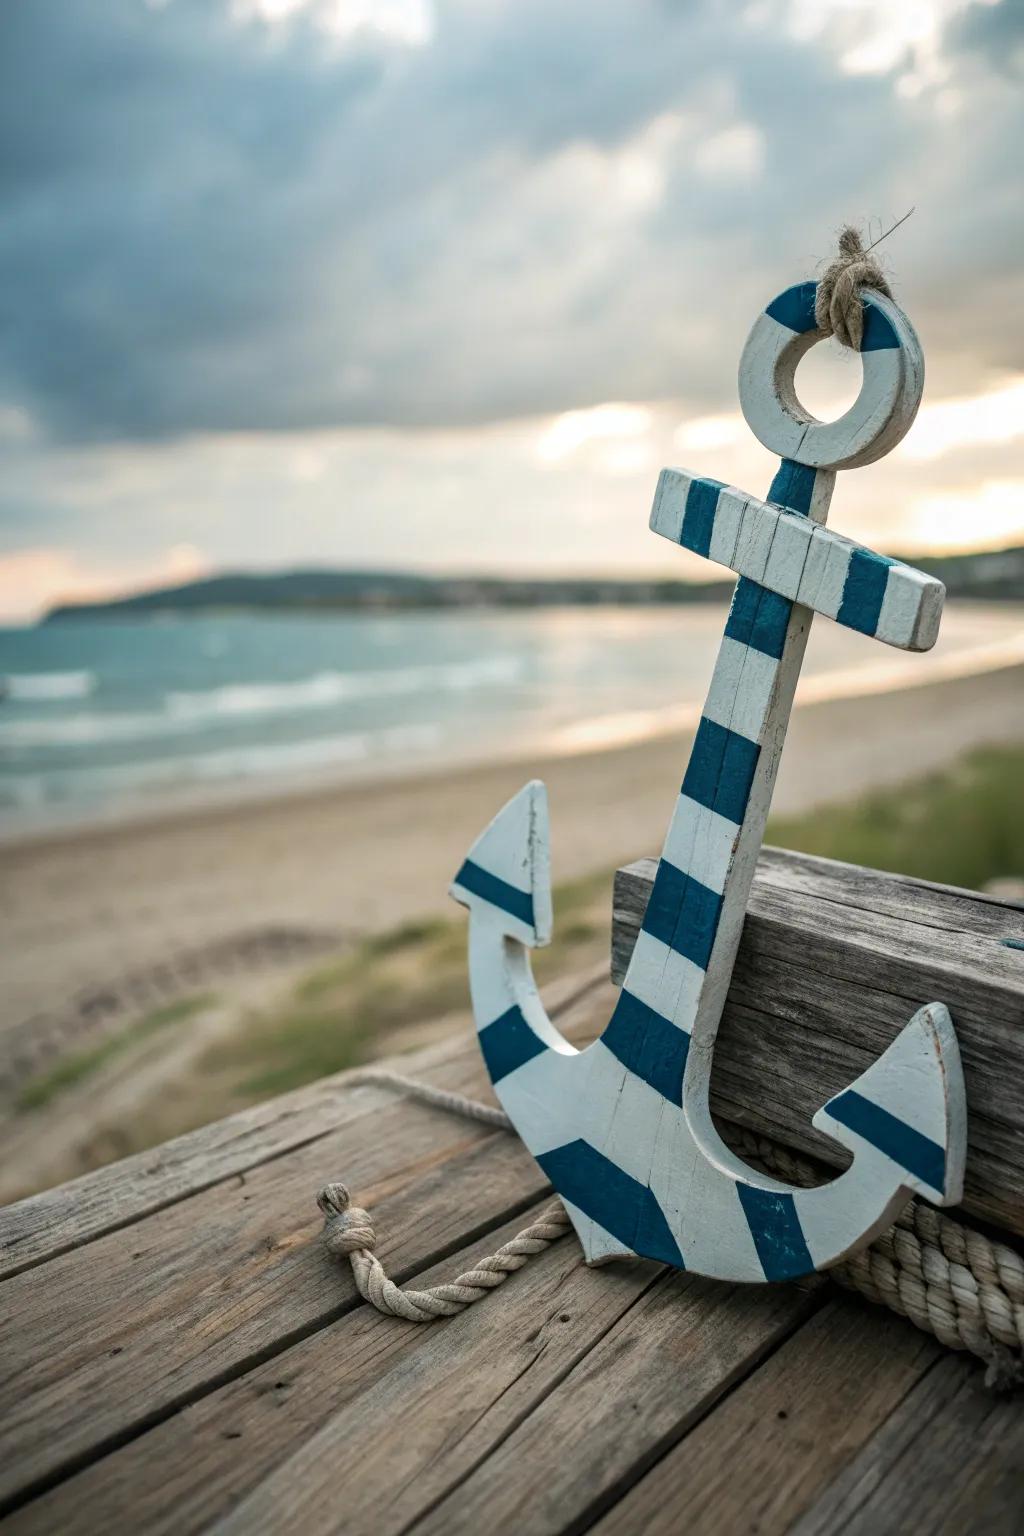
992, 575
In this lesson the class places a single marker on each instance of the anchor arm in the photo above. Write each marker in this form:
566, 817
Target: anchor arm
505, 881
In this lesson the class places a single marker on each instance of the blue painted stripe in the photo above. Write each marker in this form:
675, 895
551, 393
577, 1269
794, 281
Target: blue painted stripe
777, 1233
758, 618
918, 1154
683, 913
508, 1043
479, 882
721, 770
793, 486
864, 591
699, 516
795, 308
879, 332
1012, 943
650, 1046
614, 1199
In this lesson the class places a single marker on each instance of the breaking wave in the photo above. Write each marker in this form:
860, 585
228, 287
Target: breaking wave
185, 712
47, 687
327, 688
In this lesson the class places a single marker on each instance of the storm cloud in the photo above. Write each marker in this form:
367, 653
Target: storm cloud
438, 215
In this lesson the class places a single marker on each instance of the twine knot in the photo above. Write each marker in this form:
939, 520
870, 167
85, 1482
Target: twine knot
347, 1227
838, 307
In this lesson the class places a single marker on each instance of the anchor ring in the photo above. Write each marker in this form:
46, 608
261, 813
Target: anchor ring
880, 416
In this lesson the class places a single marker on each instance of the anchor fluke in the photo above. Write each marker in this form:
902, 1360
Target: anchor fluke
508, 869
909, 1109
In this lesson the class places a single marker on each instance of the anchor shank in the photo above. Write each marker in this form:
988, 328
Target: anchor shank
679, 974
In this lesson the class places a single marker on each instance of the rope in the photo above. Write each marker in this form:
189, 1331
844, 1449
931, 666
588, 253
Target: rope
838, 307
948, 1279
349, 1233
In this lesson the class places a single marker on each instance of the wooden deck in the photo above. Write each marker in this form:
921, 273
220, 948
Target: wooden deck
180, 1355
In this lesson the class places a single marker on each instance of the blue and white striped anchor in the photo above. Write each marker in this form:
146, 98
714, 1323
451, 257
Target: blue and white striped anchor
623, 1129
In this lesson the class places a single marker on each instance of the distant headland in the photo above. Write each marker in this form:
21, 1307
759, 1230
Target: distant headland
995, 574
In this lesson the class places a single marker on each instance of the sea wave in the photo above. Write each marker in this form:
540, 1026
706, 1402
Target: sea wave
184, 712
89, 728
47, 687
82, 783
327, 688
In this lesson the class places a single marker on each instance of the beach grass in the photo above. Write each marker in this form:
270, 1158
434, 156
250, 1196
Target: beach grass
344, 1012
962, 827
76, 1067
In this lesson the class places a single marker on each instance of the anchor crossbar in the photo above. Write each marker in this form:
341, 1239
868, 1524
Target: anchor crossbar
800, 559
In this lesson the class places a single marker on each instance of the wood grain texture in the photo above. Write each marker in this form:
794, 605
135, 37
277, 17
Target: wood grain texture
949, 1461
222, 1281
653, 1376
414, 1407
782, 1438
149, 1316
832, 961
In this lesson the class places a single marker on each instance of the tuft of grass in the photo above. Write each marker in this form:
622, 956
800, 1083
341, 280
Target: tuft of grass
341, 1013
79, 1065
964, 826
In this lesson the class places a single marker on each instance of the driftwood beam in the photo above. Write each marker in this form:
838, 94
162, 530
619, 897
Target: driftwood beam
833, 962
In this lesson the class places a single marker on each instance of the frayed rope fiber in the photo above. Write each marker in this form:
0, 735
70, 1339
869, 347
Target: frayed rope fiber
838, 307
948, 1278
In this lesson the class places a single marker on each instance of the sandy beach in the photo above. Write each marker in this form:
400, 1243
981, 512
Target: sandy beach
82, 911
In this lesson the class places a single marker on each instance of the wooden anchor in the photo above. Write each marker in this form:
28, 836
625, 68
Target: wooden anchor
623, 1129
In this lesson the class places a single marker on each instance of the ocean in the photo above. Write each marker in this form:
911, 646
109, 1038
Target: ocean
106, 716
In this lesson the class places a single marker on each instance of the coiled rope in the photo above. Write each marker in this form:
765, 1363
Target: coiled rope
949, 1279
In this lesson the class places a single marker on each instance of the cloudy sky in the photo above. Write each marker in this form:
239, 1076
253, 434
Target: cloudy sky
443, 283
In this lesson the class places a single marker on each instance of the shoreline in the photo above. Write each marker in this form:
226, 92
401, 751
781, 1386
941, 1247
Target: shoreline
581, 738
81, 909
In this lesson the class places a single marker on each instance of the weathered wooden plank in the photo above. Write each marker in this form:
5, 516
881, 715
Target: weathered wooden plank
950, 1461
950, 907
654, 1375
64, 1218
467, 1416
118, 1334
832, 964
155, 1314
60, 1219
414, 1407
784, 1435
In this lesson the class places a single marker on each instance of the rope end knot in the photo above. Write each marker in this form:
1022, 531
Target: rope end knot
347, 1227
838, 306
